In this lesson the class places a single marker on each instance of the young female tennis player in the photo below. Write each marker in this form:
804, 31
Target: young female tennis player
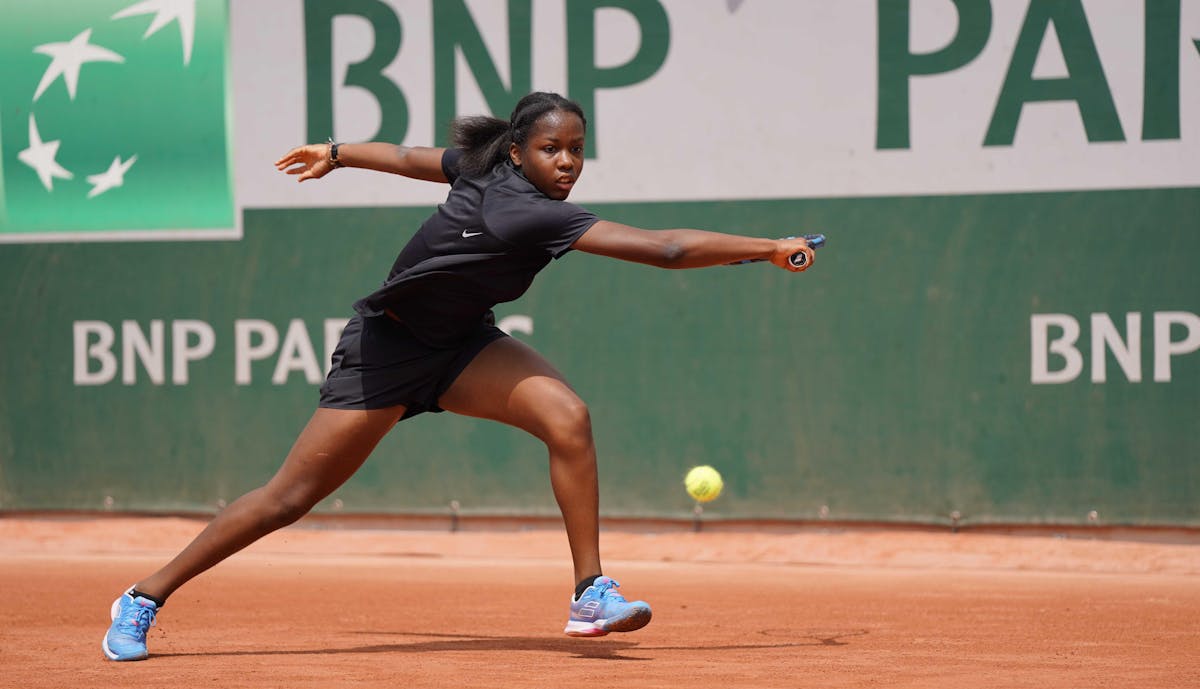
425, 341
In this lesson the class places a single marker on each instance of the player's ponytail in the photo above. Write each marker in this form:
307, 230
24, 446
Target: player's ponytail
485, 140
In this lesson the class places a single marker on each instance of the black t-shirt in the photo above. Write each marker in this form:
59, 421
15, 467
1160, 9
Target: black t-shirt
482, 247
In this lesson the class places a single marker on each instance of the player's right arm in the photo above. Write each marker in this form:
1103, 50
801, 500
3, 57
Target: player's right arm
686, 248
416, 162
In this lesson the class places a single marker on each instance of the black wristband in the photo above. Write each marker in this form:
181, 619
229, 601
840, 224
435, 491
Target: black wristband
333, 154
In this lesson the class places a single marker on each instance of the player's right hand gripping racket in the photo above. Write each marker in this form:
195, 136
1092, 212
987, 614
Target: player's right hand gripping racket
798, 259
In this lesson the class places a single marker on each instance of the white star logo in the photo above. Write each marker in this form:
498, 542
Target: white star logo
40, 156
167, 11
114, 176
68, 58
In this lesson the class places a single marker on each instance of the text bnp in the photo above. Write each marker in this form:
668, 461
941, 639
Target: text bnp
1055, 355
456, 33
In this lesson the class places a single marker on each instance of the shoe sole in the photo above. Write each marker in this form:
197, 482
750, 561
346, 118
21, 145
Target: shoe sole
113, 656
636, 619
583, 629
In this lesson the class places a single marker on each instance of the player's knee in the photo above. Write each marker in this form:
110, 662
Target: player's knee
569, 427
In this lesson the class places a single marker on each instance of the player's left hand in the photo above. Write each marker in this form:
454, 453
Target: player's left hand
310, 162
785, 248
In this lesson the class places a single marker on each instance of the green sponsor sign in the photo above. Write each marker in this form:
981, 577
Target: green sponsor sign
113, 120
1010, 358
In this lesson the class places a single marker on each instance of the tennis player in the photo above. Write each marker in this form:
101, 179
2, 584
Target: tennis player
425, 341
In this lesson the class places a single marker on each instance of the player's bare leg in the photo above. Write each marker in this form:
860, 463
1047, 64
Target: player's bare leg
510, 382
328, 451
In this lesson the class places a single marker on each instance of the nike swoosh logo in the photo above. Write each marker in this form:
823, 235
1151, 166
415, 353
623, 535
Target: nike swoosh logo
468, 235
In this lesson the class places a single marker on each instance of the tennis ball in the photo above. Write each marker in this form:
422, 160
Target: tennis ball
703, 483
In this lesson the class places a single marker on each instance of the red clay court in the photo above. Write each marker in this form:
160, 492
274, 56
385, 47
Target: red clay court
338, 607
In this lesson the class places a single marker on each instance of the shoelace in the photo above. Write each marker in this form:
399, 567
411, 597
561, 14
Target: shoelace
139, 619
609, 590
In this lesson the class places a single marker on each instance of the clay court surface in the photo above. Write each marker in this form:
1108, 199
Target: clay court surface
324, 607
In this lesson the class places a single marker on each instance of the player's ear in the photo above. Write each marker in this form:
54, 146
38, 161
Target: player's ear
514, 154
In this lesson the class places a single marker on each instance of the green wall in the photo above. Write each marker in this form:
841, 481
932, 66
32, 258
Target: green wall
892, 381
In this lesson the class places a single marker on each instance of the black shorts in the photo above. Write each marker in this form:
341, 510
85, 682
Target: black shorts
379, 363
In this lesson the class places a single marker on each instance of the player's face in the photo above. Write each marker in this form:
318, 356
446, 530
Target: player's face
552, 157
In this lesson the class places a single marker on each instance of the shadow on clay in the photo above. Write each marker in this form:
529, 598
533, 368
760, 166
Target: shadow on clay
606, 649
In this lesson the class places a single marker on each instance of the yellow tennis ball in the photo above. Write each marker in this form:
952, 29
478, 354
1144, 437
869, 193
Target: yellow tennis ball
703, 483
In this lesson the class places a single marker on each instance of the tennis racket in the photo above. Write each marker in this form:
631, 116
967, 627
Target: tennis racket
798, 259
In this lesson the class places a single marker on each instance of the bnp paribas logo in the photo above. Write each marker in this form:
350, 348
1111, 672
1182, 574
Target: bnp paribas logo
114, 120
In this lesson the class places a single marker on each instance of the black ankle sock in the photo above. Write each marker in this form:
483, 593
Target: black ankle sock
159, 602
583, 585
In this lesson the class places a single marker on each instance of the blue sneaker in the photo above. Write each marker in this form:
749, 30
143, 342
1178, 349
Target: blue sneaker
601, 610
131, 619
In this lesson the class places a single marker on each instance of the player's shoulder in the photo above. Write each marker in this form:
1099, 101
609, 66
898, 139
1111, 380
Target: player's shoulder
508, 191
516, 216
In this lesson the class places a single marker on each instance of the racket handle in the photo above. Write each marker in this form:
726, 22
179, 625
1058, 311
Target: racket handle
798, 259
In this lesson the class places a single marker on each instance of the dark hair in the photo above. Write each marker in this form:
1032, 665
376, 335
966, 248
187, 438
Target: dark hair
485, 140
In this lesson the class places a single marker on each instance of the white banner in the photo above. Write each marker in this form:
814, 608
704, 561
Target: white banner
768, 98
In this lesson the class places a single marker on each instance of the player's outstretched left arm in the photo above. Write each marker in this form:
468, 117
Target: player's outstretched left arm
689, 248
314, 161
